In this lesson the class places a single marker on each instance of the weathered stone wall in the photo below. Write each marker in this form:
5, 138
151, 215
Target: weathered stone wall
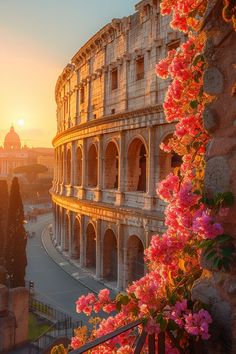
14, 310
218, 288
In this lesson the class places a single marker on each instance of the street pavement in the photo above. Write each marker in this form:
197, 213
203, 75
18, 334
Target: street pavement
56, 281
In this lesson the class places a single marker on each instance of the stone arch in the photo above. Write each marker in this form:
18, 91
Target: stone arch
110, 260
76, 239
78, 167
137, 166
58, 228
135, 258
111, 166
68, 167
90, 246
92, 166
168, 162
67, 232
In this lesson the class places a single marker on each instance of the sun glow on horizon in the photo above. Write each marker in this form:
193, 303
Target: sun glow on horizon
21, 122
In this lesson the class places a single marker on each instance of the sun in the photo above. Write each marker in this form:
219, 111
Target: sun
21, 122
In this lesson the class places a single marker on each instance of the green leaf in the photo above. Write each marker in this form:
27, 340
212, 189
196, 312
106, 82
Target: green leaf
223, 238
198, 58
210, 254
193, 104
228, 198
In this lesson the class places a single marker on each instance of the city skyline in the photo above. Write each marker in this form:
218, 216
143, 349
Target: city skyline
35, 49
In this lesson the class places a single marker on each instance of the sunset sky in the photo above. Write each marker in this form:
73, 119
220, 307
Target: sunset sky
38, 38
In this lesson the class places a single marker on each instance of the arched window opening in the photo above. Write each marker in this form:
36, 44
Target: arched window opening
111, 167
110, 256
168, 162
92, 167
68, 167
78, 167
135, 259
90, 247
137, 167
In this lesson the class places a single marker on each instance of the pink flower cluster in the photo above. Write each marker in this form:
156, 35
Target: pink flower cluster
89, 303
196, 324
205, 227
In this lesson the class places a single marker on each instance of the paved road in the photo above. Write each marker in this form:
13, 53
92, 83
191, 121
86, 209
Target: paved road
52, 284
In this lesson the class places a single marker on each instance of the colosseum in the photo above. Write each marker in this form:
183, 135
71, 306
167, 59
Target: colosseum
110, 124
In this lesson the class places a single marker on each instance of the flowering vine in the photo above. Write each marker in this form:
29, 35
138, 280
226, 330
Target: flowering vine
162, 298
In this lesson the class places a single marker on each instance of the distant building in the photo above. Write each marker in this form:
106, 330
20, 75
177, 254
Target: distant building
110, 123
13, 154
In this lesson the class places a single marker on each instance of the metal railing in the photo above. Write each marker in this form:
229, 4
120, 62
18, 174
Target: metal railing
154, 343
63, 325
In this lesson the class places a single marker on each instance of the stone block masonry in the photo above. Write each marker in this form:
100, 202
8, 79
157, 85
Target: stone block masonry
108, 162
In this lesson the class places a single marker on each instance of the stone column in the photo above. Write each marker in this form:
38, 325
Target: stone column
120, 256
149, 197
63, 230
125, 267
84, 168
73, 166
121, 172
82, 241
71, 229
98, 191
98, 249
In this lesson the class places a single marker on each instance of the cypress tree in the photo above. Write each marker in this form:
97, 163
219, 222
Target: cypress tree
15, 255
4, 198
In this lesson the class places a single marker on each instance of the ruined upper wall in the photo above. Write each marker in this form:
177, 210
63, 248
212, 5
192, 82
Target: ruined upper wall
125, 50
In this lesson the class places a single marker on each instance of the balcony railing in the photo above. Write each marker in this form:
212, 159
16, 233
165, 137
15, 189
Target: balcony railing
139, 344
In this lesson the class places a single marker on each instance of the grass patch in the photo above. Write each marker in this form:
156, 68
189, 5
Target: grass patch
36, 328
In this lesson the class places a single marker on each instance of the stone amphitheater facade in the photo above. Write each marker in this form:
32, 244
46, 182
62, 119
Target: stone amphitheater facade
110, 124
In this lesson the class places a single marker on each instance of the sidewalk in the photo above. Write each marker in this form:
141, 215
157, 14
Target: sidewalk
79, 274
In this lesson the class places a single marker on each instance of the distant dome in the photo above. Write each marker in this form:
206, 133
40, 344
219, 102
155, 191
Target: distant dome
12, 140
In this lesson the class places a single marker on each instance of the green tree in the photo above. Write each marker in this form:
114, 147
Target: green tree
15, 255
31, 171
4, 198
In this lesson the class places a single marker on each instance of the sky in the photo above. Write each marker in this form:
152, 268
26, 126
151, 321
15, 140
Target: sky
38, 38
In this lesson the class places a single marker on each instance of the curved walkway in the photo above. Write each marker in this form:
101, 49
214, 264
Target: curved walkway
74, 270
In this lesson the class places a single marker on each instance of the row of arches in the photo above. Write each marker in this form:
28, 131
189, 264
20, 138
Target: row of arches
84, 244
135, 167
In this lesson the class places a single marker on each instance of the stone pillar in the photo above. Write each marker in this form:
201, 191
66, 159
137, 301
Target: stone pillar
125, 267
73, 164
98, 249
71, 230
98, 191
84, 168
149, 197
120, 256
121, 172
219, 290
63, 230
82, 241
19, 306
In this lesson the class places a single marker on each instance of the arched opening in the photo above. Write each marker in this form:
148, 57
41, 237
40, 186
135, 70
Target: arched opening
111, 167
110, 256
92, 166
67, 233
135, 259
168, 162
90, 247
137, 166
68, 167
76, 240
78, 167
